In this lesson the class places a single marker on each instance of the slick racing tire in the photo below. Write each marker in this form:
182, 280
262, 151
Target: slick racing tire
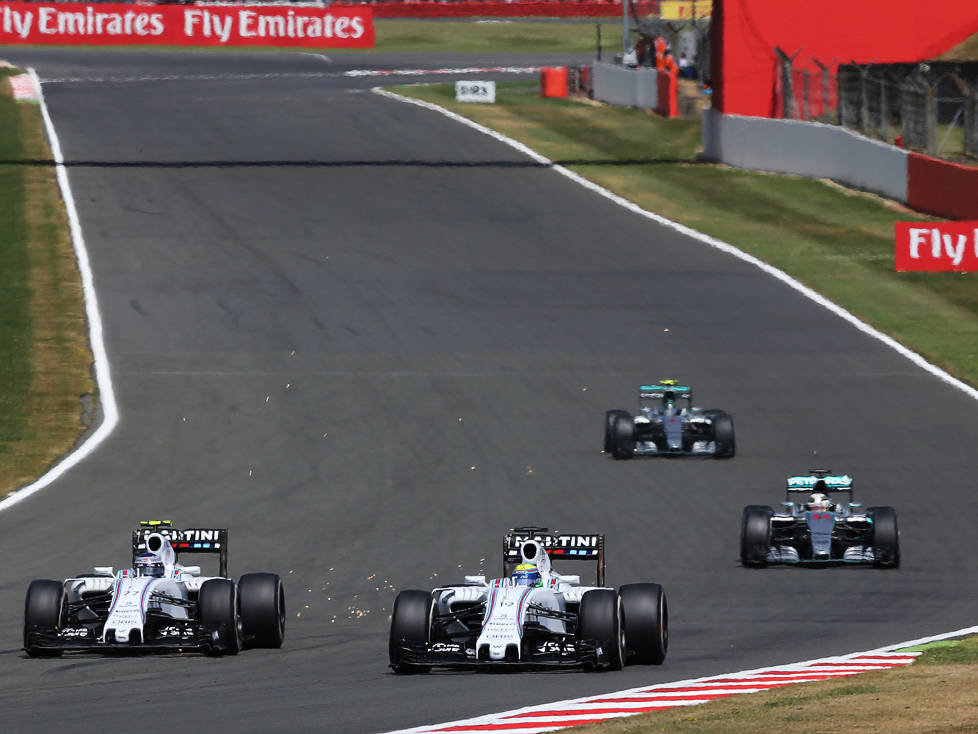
886, 537
44, 610
645, 616
623, 437
262, 600
217, 607
755, 535
723, 436
610, 417
599, 620
410, 622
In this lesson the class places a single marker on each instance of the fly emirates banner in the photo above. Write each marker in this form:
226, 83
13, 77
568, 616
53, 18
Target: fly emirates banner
187, 25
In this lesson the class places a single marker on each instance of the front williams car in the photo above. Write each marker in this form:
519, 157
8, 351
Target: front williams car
531, 617
158, 604
819, 529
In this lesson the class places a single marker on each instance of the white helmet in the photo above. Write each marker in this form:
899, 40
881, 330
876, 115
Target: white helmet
819, 501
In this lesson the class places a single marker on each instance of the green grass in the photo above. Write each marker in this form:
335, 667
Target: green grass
473, 36
836, 241
963, 651
15, 324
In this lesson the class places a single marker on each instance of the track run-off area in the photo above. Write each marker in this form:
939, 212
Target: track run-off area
368, 340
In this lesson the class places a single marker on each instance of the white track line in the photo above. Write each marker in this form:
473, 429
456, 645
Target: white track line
705, 239
103, 375
691, 692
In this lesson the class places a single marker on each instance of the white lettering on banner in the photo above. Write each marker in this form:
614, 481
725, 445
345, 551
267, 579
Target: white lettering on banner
211, 25
14, 22
51, 22
954, 250
917, 236
955, 253
252, 25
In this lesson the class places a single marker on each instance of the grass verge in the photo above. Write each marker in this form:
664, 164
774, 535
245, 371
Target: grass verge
935, 694
495, 36
836, 241
45, 359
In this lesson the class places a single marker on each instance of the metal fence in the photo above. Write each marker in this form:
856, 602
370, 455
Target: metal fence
929, 107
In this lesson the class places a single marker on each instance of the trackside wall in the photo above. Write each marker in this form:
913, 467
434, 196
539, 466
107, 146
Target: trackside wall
806, 149
620, 85
942, 188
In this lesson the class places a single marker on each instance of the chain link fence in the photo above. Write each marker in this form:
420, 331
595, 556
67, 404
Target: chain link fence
930, 107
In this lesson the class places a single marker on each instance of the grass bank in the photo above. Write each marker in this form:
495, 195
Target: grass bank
935, 694
495, 36
45, 360
837, 241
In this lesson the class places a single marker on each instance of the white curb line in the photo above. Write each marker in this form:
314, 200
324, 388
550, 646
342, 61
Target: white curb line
103, 376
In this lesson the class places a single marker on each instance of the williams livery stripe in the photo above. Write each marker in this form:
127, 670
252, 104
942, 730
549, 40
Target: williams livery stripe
519, 610
491, 604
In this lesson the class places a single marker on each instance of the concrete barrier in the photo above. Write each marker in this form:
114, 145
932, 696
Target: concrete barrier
806, 149
620, 85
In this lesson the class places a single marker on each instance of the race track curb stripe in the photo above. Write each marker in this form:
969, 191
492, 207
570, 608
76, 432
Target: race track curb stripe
25, 88
661, 696
704, 238
103, 376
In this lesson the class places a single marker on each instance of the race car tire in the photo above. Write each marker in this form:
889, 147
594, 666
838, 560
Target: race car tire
262, 600
723, 436
599, 619
886, 537
217, 606
610, 417
645, 616
755, 535
44, 608
623, 437
411, 622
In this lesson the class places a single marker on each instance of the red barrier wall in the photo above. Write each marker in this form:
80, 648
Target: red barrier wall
553, 9
242, 25
942, 188
745, 33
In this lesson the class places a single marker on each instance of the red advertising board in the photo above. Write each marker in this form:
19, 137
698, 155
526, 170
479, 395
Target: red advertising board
937, 246
186, 25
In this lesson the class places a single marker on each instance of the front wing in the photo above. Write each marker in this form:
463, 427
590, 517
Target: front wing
176, 637
549, 653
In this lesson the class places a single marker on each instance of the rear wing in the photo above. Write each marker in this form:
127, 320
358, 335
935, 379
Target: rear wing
191, 540
819, 480
562, 546
659, 390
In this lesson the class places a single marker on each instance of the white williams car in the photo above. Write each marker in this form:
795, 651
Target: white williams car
158, 604
533, 615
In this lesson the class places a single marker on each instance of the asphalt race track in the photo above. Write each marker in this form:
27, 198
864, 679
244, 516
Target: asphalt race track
368, 340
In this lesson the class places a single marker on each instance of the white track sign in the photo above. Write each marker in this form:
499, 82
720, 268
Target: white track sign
469, 91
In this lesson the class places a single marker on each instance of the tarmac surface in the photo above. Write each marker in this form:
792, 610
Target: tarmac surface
368, 340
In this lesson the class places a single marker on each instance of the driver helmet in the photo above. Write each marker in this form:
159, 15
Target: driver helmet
819, 502
527, 574
669, 401
148, 564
